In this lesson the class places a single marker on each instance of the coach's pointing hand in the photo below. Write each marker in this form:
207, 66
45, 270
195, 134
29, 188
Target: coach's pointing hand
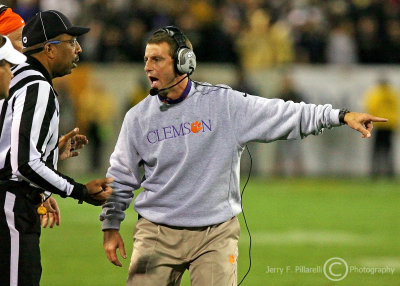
362, 122
98, 191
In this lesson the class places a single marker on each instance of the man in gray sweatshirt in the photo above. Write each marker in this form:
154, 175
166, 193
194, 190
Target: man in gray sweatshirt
189, 138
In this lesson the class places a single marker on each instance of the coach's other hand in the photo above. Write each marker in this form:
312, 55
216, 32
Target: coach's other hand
112, 241
362, 122
98, 191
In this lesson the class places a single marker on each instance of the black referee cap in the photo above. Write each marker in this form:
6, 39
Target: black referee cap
46, 25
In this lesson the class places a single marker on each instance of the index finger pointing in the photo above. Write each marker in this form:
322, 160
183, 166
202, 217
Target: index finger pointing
378, 119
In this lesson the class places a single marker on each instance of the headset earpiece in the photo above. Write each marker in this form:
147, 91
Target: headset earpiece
185, 61
184, 58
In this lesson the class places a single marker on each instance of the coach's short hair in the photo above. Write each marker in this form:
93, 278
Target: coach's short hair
164, 37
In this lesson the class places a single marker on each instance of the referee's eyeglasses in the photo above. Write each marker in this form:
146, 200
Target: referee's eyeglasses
72, 42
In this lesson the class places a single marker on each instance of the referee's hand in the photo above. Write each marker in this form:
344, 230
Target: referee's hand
69, 143
98, 191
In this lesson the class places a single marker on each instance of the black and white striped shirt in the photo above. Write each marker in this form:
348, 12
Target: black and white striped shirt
29, 132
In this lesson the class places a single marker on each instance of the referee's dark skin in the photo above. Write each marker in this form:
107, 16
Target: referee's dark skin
30, 147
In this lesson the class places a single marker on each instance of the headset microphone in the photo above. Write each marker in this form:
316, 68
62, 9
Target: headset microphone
154, 91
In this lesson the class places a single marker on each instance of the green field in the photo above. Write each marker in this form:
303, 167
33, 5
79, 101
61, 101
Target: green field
293, 222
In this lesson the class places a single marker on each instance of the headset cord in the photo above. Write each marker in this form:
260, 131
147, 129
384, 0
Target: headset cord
241, 194
244, 216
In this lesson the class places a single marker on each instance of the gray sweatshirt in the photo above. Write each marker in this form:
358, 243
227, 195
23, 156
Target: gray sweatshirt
191, 152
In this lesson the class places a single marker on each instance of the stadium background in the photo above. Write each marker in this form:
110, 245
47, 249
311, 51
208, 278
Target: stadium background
333, 50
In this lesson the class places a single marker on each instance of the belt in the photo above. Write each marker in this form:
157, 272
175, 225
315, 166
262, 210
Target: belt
31, 193
183, 227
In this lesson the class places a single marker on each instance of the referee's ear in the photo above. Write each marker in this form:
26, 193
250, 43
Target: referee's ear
49, 50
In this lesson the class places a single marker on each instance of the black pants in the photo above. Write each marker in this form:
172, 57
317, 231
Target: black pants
19, 236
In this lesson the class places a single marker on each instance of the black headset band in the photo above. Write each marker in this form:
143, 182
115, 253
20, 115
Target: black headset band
176, 34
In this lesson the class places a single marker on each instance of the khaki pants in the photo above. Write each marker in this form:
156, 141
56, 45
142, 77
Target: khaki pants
161, 254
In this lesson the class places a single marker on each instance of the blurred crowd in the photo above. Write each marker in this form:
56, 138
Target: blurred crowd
252, 33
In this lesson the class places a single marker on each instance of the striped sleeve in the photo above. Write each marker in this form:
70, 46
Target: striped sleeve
34, 137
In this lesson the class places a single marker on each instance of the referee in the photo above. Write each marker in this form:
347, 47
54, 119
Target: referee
29, 148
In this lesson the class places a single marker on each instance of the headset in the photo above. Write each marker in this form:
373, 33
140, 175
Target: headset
184, 58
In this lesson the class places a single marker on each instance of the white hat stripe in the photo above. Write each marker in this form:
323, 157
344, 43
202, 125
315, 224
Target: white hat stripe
60, 19
44, 30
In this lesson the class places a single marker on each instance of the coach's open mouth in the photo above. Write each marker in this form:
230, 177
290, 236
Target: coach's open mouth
153, 81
